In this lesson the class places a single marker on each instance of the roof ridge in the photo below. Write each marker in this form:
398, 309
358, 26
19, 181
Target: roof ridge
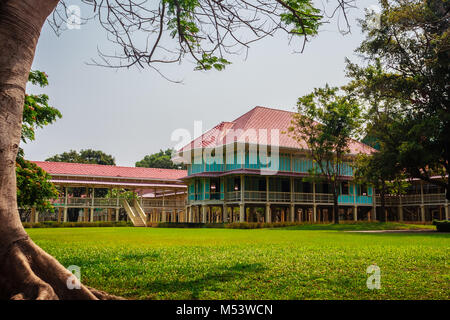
101, 165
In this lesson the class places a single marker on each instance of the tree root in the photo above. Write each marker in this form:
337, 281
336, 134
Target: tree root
29, 273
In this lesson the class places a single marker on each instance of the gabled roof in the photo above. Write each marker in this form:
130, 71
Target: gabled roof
97, 170
247, 128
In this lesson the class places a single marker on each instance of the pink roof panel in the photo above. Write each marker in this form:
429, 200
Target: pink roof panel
251, 128
82, 169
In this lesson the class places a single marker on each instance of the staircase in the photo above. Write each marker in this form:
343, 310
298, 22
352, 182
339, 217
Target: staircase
135, 213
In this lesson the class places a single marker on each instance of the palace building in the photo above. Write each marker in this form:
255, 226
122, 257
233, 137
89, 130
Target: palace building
251, 170
246, 170
83, 189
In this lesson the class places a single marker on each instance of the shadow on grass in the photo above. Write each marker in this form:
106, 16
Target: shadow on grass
208, 281
358, 226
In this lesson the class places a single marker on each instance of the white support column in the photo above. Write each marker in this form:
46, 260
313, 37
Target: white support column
374, 205
204, 213
292, 188
225, 213
268, 213
292, 207
314, 193
446, 209
242, 188
241, 212
422, 203
314, 203
355, 213
91, 219
65, 205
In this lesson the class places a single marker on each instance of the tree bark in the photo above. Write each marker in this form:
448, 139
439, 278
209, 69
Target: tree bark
335, 203
26, 271
383, 202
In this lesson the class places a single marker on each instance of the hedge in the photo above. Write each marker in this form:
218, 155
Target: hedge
234, 225
55, 224
442, 226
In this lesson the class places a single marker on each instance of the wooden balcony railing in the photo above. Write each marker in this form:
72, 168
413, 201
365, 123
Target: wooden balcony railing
159, 203
78, 202
412, 199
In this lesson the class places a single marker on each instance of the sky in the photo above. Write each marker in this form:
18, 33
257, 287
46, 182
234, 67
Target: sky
130, 113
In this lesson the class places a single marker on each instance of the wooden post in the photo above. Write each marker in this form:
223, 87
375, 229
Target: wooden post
92, 205
268, 213
65, 205
33, 215
241, 212
314, 203
224, 213
204, 213
446, 209
374, 205
242, 188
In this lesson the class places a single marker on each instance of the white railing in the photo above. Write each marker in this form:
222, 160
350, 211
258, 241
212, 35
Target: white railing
324, 198
113, 202
159, 203
279, 196
255, 196
412, 199
233, 196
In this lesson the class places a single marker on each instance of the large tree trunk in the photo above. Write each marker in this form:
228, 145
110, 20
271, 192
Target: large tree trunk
26, 271
383, 203
335, 204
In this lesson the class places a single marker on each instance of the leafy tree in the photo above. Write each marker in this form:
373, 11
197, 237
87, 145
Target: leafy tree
206, 31
378, 171
84, 156
326, 121
162, 159
33, 184
405, 83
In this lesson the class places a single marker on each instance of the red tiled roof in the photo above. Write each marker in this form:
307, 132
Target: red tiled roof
82, 169
246, 129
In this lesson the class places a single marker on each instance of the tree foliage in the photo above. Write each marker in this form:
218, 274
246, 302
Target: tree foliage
154, 33
34, 188
325, 124
405, 84
161, 159
84, 156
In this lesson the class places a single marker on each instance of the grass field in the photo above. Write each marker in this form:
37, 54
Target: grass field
302, 262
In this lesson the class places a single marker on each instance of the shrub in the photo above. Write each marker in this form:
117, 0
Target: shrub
56, 224
184, 225
259, 225
442, 226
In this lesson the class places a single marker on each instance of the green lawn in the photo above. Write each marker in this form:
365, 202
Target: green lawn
302, 262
